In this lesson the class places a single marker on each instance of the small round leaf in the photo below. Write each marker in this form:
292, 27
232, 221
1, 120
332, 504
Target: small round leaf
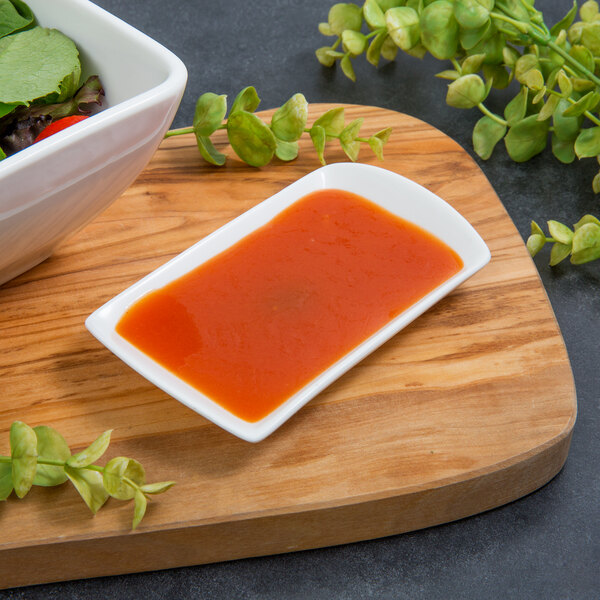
403, 27
344, 16
251, 139
526, 138
289, 120
50, 445
587, 144
486, 134
210, 112
115, 472
472, 14
466, 92
439, 29
23, 451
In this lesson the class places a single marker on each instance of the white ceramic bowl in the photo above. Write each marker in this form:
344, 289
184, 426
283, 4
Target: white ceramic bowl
53, 188
393, 192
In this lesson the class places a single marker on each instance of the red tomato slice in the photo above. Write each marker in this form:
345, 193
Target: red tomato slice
59, 125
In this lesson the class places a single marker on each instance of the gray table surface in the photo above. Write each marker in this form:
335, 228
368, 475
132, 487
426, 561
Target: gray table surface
545, 545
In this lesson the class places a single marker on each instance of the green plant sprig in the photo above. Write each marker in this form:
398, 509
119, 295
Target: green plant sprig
491, 43
257, 142
40, 456
582, 243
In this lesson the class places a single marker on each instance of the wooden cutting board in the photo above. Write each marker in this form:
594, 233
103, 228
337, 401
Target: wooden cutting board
470, 407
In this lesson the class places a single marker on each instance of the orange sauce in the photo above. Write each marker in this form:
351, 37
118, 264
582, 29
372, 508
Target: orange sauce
254, 324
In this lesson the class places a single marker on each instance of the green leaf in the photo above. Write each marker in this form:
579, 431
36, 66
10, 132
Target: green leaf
6, 109
389, 49
374, 49
586, 236
286, 151
585, 256
209, 153
561, 233
469, 38
289, 120
348, 139
472, 64
23, 451
439, 29
377, 146
535, 243
586, 219
516, 109
564, 83
14, 16
50, 446
564, 150
89, 485
387, 4
114, 473
526, 138
537, 230
37, 64
466, 92
344, 16
318, 137
403, 26
548, 108
92, 453
558, 253
539, 96
6, 485
2, 154
498, 75
510, 56
140, 508
354, 42
347, 67
486, 134
596, 183
472, 14
324, 56
588, 11
524, 64
251, 139
583, 55
533, 79
332, 121
247, 100
566, 21
586, 243
373, 14
587, 143
157, 488
585, 103
209, 114
565, 127
324, 29
450, 74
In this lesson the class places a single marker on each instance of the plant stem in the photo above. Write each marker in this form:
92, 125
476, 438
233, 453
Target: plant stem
574, 62
491, 115
181, 131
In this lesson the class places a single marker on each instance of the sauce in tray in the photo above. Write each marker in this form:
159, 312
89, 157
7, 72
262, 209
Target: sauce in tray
253, 325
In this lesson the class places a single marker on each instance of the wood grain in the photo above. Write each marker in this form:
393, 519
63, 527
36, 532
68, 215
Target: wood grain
470, 407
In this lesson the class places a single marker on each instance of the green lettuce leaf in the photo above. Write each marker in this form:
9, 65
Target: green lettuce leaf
14, 16
38, 64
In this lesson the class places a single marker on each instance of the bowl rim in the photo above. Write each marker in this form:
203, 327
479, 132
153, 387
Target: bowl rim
176, 78
102, 322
